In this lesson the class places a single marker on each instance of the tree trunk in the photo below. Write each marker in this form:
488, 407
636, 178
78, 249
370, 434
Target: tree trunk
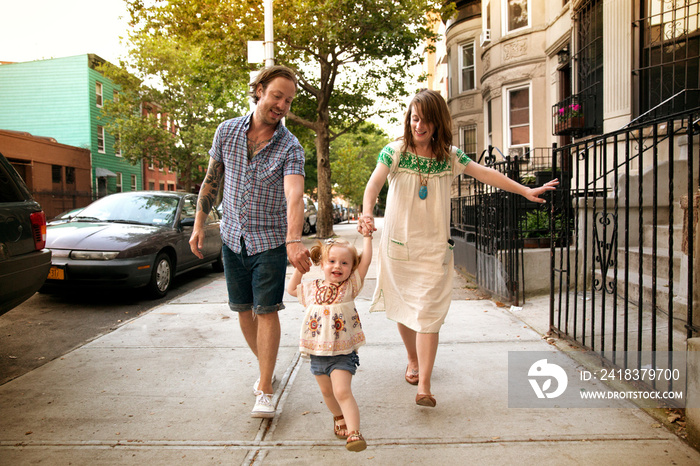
324, 222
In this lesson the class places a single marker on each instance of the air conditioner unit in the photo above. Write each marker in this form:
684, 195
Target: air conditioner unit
523, 153
485, 36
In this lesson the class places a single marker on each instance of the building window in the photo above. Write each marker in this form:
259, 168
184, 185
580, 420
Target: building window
115, 96
133, 182
171, 186
467, 136
98, 94
589, 63
449, 73
489, 125
151, 186
117, 146
669, 56
56, 174
517, 14
467, 77
150, 164
119, 182
70, 175
101, 139
161, 186
518, 115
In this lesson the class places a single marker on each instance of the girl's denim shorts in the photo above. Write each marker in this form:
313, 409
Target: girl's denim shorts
324, 365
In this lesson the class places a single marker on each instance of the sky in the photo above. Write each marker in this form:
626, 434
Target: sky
40, 29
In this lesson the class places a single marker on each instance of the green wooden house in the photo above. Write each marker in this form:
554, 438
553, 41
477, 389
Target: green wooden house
63, 98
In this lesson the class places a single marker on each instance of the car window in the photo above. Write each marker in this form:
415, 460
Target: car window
8, 189
139, 209
189, 208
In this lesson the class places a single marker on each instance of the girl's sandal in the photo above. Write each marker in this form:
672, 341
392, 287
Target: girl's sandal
355, 441
339, 428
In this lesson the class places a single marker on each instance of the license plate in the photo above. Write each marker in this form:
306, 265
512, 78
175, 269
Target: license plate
56, 273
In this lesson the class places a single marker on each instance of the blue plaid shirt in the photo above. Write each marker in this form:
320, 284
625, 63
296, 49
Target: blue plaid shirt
254, 205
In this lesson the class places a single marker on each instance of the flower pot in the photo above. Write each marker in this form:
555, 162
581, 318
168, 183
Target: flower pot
567, 125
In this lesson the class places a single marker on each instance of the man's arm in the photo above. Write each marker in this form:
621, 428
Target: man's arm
297, 253
207, 197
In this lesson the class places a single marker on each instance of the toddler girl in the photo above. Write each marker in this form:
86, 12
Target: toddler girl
331, 331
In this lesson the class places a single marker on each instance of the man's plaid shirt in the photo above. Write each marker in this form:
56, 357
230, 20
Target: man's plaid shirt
254, 205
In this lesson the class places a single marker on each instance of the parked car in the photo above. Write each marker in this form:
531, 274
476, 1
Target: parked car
134, 239
24, 261
337, 215
310, 215
64, 217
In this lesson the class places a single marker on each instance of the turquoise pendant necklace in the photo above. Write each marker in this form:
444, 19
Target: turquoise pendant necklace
423, 190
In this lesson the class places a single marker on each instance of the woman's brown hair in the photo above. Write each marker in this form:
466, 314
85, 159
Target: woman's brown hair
434, 109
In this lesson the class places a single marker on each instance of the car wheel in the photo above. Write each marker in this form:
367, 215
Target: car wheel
218, 264
307, 227
161, 276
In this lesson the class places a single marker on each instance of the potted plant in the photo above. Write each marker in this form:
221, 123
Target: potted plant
569, 117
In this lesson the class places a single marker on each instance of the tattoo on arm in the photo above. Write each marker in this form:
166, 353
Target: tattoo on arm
207, 197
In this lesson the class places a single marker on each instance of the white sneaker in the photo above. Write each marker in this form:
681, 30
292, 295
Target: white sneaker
256, 392
263, 406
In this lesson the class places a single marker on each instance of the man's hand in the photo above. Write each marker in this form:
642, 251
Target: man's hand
197, 242
298, 256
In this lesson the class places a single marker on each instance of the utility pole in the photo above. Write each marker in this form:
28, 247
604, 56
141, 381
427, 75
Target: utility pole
269, 36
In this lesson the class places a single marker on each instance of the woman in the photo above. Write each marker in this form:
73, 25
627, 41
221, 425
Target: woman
415, 268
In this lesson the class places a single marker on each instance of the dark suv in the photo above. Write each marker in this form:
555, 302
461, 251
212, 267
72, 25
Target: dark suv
24, 263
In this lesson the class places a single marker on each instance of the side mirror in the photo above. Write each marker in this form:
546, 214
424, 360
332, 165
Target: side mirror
187, 222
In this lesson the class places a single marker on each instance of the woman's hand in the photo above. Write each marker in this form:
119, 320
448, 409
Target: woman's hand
533, 194
365, 225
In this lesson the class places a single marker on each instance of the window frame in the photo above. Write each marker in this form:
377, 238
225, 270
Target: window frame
101, 139
119, 187
99, 97
462, 68
134, 181
507, 133
506, 17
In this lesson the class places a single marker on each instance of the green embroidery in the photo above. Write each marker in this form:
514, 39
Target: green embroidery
385, 156
419, 164
462, 157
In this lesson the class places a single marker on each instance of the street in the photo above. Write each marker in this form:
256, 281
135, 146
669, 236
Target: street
48, 325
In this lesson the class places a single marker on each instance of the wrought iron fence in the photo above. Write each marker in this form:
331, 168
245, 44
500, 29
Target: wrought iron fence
495, 224
625, 283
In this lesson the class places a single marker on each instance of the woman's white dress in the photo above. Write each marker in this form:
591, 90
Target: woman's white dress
416, 265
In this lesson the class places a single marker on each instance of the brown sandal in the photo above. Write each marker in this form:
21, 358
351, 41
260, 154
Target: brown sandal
340, 429
356, 441
411, 376
426, 400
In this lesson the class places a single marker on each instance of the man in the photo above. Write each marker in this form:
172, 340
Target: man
261, 165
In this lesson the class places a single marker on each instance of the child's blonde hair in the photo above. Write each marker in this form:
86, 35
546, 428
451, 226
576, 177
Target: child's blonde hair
319, 252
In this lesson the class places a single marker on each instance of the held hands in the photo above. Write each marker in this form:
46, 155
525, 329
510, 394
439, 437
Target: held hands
299, 257
365, 225
533, 194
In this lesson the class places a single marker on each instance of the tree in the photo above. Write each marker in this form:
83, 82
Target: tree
354, 158
193, 93
354, 59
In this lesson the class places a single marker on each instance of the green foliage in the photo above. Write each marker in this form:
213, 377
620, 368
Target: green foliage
179, 76
354, 156
354, 61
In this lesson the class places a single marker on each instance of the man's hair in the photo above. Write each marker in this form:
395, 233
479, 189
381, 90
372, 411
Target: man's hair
266, 75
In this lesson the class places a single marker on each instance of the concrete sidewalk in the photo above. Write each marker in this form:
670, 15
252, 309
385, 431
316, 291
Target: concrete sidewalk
174, 386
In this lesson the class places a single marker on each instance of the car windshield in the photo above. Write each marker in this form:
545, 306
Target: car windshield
138, 209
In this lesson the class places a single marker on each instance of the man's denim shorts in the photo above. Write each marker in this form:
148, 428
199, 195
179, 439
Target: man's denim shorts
255, 282
324, 365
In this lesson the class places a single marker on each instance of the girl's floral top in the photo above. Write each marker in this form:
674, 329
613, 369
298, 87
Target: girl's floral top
331, 324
